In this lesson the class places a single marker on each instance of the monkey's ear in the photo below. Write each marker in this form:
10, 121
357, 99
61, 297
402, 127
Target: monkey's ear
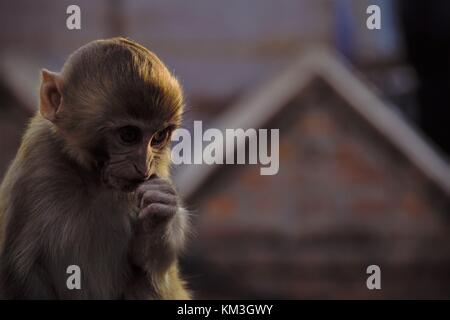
50, 94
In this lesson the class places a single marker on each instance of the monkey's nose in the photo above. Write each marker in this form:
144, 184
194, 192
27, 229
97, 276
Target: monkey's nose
140, 171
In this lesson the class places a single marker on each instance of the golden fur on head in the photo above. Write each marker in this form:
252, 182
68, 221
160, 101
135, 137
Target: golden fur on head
108, 81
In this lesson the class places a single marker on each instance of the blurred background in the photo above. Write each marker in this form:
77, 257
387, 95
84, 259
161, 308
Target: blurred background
364, 142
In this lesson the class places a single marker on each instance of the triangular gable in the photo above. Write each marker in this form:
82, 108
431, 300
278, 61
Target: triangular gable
261, 105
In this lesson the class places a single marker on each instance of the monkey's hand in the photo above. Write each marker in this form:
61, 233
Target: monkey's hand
159, 230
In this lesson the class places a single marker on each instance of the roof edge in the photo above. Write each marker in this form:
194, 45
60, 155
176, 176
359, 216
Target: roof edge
264, 102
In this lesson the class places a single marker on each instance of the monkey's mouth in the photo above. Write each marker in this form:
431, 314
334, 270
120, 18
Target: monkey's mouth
119, 183
122, 184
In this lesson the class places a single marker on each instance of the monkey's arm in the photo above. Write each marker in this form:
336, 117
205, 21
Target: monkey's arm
158, 237
48, 227
22, 273
170, 286
29, 269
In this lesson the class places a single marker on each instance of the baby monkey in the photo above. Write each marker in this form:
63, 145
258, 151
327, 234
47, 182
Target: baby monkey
90, 184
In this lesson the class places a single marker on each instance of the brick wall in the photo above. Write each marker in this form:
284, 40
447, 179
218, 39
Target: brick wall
342, 200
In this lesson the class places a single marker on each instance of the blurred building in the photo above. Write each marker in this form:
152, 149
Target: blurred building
357, 186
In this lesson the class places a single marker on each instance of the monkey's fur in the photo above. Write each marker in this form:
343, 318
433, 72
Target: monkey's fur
75, 195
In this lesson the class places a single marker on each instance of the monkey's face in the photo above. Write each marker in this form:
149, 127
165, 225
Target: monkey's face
116, 104
128, 136
134, 153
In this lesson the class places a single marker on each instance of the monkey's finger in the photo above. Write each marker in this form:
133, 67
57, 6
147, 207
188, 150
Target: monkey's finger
161, 189
156, 196
166, 188
157, 210
156, 213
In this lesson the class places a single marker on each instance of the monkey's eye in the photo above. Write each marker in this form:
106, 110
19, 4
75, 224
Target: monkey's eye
160, 137
130, 135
